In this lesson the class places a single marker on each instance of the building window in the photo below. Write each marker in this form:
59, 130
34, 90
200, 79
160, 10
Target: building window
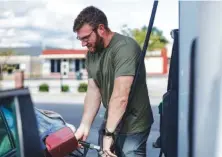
55, 66
71, 65
77, 65
52, 66
83, 63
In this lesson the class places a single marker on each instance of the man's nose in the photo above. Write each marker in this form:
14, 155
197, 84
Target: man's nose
84, 43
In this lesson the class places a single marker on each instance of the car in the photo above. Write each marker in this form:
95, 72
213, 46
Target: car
27, 131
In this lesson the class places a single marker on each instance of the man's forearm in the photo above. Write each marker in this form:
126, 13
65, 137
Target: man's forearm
91, 106
118, 101
117, 108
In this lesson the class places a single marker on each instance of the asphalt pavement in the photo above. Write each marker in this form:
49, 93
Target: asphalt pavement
70, 106
72, 113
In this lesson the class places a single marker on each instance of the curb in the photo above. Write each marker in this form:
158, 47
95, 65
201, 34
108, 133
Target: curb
73, 98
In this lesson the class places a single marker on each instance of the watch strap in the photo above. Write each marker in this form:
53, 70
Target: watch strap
106, 132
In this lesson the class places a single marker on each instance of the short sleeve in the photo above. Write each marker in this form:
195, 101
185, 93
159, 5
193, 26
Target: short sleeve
125, 60
87, 67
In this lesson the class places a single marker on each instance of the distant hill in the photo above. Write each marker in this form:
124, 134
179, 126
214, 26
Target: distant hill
32, 51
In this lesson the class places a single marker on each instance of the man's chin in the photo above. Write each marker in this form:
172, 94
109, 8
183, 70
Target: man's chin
91, 49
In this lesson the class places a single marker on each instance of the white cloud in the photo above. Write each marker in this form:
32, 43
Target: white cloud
16, 22
10, 33
65, 7
15, 44
13, 37
45, 19
58, 16
2, 31
20, 6
27, 35
8, 14
59, 42
22, 35
12, 42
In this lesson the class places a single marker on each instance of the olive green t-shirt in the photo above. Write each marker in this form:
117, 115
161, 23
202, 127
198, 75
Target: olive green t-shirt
120, 58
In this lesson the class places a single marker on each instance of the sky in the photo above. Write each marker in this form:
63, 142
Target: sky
49, 22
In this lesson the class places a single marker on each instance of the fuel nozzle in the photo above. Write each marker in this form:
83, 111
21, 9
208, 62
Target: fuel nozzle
90, 145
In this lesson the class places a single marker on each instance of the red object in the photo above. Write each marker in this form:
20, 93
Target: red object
62, 52
61, 142
165, 60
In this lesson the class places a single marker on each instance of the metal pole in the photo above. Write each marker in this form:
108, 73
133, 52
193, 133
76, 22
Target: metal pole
188, 22
208, 82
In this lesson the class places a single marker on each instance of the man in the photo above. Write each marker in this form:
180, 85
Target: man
111, 63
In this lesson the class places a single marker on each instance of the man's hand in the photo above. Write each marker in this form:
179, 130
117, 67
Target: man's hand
107, 143
82, 133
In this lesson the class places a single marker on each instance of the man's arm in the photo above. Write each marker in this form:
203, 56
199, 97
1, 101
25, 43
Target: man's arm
118, 101
125, 62
91, 104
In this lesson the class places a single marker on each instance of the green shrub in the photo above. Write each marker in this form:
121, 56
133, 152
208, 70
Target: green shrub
82, 87
44, 87
65, 88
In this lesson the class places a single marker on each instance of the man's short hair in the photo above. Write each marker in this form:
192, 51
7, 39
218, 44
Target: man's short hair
92, 16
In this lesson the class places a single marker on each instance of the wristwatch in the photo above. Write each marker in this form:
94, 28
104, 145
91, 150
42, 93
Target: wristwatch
106, 132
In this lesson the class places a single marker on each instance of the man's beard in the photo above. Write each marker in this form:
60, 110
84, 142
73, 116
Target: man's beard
99, 45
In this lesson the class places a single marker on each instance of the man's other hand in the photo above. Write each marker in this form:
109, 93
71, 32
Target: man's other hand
107, 143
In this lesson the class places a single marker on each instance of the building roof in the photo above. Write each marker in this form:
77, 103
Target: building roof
63, 52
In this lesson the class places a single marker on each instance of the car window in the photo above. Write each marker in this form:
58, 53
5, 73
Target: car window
7, 127
5, 142
8, 113
18, 121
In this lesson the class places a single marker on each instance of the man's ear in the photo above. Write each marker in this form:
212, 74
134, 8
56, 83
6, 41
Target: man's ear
101, 29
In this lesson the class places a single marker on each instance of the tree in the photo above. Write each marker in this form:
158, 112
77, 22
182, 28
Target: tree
7, 53
3, 65
157, 40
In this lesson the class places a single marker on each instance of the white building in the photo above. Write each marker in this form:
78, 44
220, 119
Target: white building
69, 63
63, 63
